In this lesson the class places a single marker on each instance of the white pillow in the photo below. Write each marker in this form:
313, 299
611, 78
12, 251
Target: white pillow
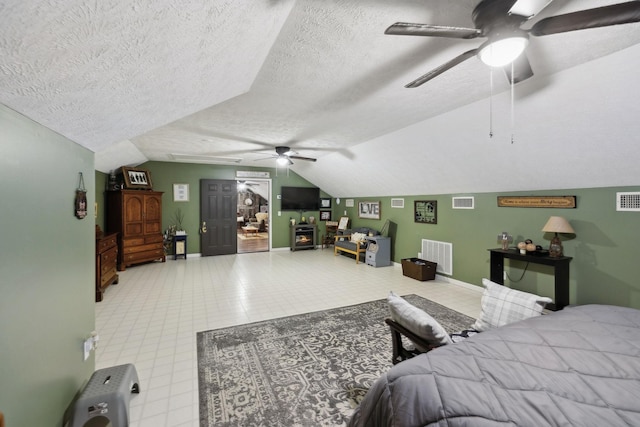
502, 305
417, 321
357, 237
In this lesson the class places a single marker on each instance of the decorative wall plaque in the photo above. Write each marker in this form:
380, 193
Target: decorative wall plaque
563, 202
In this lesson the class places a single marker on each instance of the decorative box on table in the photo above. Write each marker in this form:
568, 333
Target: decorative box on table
419, 269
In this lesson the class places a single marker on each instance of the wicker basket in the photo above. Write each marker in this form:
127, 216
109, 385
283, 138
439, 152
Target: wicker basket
419, 269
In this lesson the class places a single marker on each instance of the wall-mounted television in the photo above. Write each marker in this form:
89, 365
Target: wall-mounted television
300, 198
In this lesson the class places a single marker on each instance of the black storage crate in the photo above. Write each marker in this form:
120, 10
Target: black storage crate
419, 269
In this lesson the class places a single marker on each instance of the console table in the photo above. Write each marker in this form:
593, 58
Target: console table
560, 271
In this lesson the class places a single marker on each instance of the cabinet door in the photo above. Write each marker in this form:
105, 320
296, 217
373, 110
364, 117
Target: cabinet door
133, 215
152, 214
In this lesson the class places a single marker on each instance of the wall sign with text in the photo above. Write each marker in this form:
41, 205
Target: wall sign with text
562, 202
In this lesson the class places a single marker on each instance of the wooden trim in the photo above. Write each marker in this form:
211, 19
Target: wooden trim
399, 352
561, 202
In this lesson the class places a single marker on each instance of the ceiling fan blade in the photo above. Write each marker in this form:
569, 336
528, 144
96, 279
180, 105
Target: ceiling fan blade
621, 13
521, 69
441, 69
408, 29
310, 159
528, 8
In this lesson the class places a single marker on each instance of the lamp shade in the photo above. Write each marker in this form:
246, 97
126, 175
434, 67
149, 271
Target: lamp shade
500, 52
557, 224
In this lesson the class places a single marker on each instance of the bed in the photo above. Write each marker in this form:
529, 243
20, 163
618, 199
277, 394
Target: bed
576, 367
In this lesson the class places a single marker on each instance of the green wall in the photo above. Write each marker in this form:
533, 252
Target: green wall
47, 291
603, 249
601, 272
165, 174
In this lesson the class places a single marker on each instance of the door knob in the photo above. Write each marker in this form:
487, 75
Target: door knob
203, 228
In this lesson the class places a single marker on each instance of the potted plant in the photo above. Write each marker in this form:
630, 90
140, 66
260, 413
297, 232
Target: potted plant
178, 218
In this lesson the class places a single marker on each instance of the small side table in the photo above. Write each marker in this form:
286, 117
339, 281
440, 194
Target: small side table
180, 246
560, 267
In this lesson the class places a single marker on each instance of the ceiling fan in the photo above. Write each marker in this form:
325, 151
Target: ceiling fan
284, 155
500, 22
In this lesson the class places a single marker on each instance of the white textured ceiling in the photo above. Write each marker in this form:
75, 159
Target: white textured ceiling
136, 81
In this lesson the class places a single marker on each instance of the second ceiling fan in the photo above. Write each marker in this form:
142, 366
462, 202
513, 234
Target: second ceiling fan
500, 22
284, 155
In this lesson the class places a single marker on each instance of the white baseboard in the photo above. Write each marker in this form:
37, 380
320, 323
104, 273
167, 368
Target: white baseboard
170, 257
450, 280
460, 283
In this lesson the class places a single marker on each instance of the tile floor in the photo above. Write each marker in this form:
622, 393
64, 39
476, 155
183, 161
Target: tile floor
151, 318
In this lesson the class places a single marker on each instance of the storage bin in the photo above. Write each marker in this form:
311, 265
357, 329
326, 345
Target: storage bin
419, 269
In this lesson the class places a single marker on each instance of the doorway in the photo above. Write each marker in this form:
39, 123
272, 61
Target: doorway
218, 200
253, 221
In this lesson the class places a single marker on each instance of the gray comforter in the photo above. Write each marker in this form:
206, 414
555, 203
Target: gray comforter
576, 367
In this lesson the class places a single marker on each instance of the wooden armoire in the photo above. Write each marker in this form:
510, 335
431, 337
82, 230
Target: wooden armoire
136, 215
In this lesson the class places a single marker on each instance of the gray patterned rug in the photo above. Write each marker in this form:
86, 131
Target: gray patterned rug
306, 370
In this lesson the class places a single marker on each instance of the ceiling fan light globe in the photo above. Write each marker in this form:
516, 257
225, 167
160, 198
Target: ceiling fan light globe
498, 53
282, 161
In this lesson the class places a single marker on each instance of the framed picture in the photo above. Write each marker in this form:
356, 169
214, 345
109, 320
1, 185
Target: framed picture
348, 203
325, 203
180, 192
343, 224
426, 211
369, 210
325, 215
136, 178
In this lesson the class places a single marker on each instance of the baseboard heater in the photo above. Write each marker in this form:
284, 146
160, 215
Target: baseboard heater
440, 252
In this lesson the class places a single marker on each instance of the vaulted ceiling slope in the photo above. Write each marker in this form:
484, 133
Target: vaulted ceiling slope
228, 80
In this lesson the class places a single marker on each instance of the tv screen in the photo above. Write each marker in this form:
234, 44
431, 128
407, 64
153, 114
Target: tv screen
300, 198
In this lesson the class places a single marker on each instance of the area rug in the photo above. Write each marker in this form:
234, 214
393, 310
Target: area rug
253, 236
305, 370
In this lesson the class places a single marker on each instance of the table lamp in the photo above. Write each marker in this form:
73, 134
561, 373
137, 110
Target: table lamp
557, 224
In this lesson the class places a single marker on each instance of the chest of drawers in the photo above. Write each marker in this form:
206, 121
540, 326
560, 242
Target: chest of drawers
106, 263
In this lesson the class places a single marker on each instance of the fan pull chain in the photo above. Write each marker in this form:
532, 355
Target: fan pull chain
491, 102
512, 104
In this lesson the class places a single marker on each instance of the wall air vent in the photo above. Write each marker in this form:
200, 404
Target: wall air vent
439, 252
397, 203
201, 158
628, 201
467, 202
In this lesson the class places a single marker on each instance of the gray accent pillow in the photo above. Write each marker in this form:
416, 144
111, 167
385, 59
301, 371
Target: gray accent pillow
502, 305
417, 321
